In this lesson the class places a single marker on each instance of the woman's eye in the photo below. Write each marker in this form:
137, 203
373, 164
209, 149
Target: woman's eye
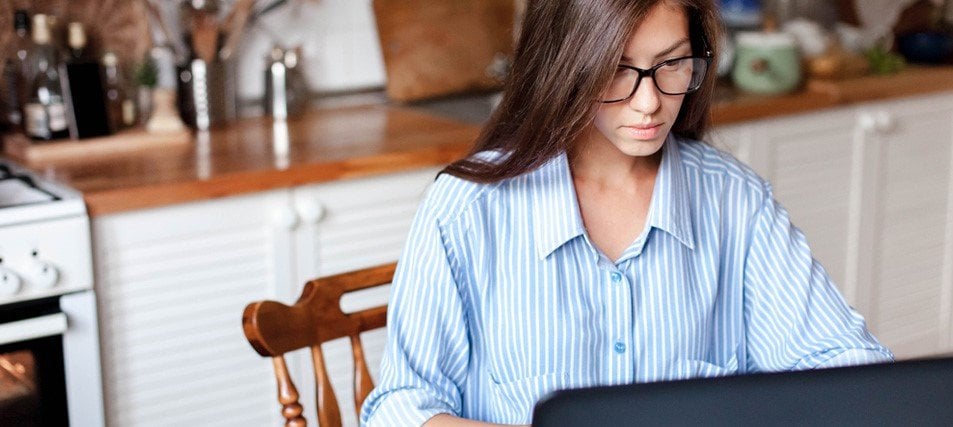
622, 72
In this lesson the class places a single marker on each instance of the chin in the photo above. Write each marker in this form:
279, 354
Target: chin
640, 148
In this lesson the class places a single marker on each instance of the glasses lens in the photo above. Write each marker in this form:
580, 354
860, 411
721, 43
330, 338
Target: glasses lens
621, 86
675, 77
680, 76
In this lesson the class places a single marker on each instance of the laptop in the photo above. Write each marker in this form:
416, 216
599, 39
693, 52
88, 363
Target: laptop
908, 393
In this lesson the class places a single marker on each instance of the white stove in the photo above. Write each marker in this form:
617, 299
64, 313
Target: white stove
44, 237
50, 371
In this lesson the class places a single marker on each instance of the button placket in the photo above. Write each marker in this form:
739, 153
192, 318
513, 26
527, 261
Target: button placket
618, 331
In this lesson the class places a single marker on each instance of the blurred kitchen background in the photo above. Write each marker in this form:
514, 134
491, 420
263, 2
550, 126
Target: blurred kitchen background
334, 47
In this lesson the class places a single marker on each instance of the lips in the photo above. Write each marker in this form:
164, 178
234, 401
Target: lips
643, 132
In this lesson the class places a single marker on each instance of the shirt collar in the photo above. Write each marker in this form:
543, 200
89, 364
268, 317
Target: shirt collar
670, 208
556, 216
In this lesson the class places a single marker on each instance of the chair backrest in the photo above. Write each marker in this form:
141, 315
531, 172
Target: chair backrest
274, 329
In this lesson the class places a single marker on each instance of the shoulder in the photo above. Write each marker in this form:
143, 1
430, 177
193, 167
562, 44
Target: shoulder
450, 196
714, 165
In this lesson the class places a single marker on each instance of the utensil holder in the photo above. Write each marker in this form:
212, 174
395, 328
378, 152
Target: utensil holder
207, 93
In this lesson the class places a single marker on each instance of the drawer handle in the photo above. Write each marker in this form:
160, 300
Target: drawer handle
885, 122
311, 211
28, 329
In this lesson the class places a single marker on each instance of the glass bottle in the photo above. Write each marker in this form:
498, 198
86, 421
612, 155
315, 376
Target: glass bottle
17, 74
78, 46
45, 111
120, 107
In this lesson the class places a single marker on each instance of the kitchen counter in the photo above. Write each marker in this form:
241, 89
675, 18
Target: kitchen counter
327, 144
256, 155
731, 106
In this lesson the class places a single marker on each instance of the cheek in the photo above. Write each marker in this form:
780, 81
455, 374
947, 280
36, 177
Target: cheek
604, 121
671, 105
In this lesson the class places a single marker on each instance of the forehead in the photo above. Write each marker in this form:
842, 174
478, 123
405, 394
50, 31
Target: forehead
665, 25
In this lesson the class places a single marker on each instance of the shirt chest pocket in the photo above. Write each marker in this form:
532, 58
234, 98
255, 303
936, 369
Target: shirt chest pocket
514, 400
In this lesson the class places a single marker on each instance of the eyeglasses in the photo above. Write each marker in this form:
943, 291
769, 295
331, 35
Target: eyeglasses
676, 76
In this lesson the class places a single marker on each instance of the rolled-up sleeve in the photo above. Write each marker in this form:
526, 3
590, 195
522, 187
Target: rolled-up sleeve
794, 315
427, 351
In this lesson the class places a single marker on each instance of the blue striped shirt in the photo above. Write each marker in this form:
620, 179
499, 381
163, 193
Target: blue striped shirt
500, 297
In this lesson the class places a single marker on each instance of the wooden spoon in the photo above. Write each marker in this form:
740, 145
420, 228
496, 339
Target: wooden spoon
204, 35
234, 25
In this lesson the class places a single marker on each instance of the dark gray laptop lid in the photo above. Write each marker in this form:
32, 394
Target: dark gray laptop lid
910, 393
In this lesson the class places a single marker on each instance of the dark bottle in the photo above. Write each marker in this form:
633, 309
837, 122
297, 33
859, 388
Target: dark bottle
45, 111
17, 74
82, 80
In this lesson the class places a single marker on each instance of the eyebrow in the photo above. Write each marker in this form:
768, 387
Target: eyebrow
665, 52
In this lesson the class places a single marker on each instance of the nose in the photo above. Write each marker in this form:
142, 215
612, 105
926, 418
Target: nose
647, 98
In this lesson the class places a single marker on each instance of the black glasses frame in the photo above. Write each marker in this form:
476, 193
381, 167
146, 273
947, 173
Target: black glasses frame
651, 73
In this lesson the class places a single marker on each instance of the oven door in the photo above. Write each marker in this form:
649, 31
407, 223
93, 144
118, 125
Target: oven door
32, 368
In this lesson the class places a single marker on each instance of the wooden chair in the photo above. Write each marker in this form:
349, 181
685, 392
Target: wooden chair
274, 329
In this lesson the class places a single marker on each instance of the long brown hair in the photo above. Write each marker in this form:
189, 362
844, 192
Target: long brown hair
566, 54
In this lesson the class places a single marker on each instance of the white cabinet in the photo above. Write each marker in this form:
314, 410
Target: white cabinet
356, 223
810, 161
910, 228
870, 186
173, 281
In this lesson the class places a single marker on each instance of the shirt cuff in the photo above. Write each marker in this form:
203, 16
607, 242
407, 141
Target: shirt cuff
406, 408
853, 357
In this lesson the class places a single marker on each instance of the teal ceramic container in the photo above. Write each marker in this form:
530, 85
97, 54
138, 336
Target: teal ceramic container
766, 63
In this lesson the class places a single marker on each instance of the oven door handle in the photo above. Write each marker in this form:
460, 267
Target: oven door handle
36, 327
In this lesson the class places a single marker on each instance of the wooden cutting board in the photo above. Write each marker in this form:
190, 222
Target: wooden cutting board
444, 47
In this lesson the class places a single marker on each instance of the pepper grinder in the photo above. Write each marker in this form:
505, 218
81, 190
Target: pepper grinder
276, 85
286, 91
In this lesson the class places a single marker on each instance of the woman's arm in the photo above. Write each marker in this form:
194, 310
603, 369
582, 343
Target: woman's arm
794, 315
424, 368
447, 420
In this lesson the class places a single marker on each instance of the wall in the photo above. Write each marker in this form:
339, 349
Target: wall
338, 37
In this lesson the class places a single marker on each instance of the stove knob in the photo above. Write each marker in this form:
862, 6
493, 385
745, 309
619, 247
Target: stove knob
9, 282
43, 274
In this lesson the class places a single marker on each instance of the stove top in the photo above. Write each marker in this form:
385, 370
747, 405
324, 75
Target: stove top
18, 190
28, 197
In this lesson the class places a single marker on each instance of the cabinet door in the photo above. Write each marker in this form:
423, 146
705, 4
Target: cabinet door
348, 225
811, 161
356, 223
911, 229
172, 283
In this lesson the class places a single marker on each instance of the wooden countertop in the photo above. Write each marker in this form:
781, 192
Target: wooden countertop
329, 144
732, 107
256, 154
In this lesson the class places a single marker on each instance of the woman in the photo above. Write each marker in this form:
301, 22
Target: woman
590, 239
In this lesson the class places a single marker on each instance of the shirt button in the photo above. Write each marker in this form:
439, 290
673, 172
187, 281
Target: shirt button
616, 277
619, 347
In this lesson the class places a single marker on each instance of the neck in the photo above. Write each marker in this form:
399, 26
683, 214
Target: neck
598, 161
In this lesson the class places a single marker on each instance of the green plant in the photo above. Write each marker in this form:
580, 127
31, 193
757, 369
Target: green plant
883, 61
146, 73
